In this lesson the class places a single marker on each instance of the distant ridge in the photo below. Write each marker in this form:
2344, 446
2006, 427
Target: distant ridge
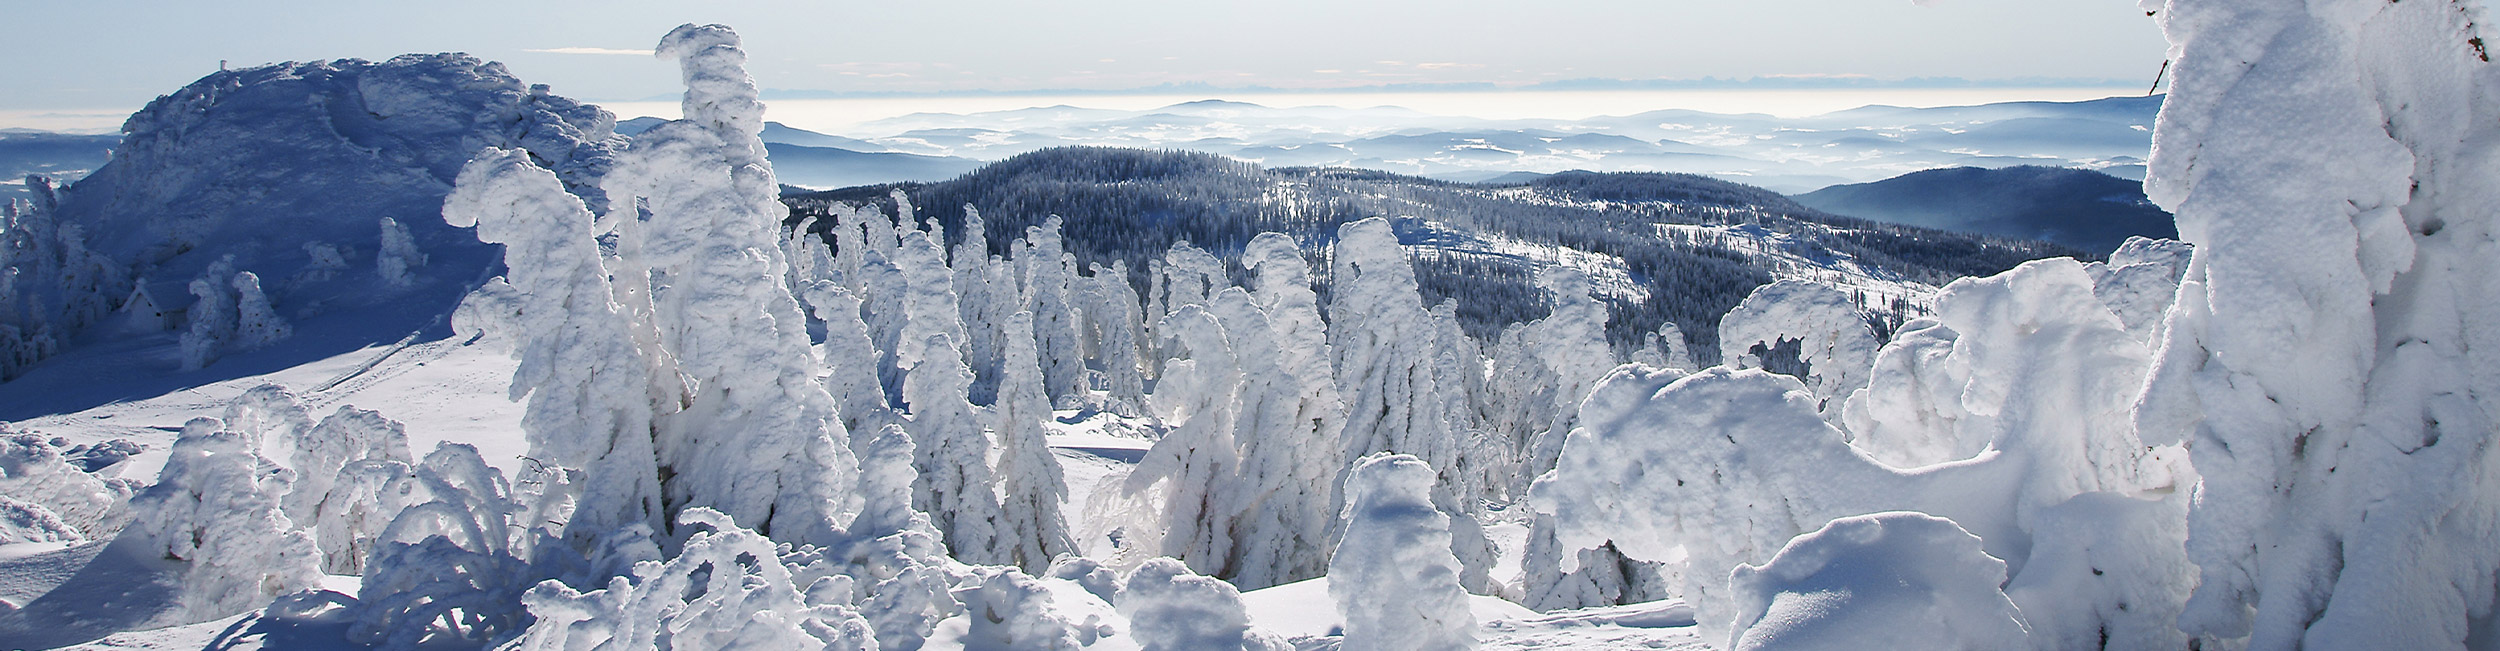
2079, 208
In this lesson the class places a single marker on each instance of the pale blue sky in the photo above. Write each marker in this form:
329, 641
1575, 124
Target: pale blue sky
97, 54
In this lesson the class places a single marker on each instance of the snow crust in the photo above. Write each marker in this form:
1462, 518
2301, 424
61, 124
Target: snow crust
1885, 580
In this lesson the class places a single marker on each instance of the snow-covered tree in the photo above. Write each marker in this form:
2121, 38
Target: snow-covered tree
1393, 577
588, 381
1772, 469
398, 255
1170, 608
758, 436
34, 472
956, 486
1005, 609
1666, 348
1277, 505
728, 589
2328, 363
323, 262
215, 510
448, 567
1833, 346
1188, 471
1049, 278
851, 360
1030, 484
1571, 341
978, 304
1191, 276
891, 560
342, 469
1119, 330
257, 324
1384, 346
357, 510
929, 299
1283, 291
886, 480
212, 316
1395, 364
2139, 282
28, 522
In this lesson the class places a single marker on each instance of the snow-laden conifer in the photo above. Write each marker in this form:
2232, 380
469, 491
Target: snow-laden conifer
1195, 460
1277, 503
1030, 484
2328, 363
1006, 609
1049, 277
448, 567
851, 361
215, 510
1834, 347
1115, 318
1191, 276
211, 316
398, 256
758, 438
324, 262
322, 461
1571, 340
1666, 348
1384, 346
257, 324
1284, 293
727, 589
1172, 609
33, 471
927, 299
956, 486
1393, 577
978, 302
587, 380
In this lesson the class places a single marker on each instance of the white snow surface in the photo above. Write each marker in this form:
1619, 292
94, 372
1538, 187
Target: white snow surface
1895, 580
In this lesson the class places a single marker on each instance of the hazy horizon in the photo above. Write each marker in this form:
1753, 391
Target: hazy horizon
602, 52
843, 115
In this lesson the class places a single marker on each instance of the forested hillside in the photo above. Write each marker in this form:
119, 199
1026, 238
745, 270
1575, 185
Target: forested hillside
2075, 207
1681, 248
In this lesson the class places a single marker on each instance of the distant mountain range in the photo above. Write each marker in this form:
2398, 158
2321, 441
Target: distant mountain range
1780, 153
61, 156
2079, 208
